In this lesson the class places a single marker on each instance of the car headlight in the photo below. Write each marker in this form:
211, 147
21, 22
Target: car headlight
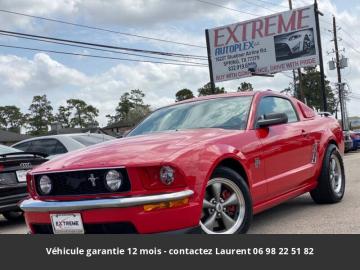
167, 175
45, 185
113, 180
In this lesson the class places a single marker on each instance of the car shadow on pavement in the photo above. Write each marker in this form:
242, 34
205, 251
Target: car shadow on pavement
286, 209
7, 223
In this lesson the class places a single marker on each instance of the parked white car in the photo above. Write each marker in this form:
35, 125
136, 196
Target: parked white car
298, 42
59, 144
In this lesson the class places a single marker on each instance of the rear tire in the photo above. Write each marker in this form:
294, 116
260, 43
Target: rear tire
13, 215
331, 183
227, 204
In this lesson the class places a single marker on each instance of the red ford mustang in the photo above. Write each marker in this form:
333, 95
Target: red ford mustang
204, 164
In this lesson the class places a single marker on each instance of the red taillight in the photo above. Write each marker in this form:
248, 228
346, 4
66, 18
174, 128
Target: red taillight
1, 167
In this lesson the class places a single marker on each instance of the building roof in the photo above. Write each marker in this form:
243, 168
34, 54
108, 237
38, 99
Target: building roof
119, 124
73, 130
12, 137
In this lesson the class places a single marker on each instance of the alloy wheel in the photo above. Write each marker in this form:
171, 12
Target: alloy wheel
223, 207
335, 174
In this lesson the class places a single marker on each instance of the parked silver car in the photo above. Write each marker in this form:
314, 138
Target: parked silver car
59, 144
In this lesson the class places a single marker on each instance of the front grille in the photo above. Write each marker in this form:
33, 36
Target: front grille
78, 182
116, 228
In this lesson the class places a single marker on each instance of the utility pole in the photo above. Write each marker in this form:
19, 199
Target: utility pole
321, 61
300, 89
339, 84
212, 82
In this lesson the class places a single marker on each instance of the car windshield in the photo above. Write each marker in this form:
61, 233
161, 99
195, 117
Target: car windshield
7, 150
226, 113
88, 139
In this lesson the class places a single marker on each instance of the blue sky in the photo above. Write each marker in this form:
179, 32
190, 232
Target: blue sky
24, 74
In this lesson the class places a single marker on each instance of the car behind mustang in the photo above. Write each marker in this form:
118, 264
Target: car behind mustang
206, 164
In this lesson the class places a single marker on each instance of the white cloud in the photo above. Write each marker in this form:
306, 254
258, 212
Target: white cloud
184, 21
42, 74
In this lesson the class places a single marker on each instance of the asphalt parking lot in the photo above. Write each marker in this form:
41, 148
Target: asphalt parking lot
297, 216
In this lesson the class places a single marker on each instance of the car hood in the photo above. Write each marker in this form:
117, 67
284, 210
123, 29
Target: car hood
150, 149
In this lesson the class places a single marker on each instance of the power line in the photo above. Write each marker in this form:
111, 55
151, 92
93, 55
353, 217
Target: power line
99, 28
245, 12
102, 57
105, 46
258, 5
351, 47
232, 9
97, 49
272, 3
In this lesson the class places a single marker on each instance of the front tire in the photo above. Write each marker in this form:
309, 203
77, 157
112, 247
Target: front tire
331, 183
227, 205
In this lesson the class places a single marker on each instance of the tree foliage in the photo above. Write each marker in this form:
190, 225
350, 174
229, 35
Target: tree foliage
63, 116
78, 114
207, 90
11, 118
311, 89
245, 87
183, 94
40, 116
131, 108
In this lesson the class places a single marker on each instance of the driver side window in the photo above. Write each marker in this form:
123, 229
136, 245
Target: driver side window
277, 105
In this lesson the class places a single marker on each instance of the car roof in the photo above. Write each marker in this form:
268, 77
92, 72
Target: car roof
232, 94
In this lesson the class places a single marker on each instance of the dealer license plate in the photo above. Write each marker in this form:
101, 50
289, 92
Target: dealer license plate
67, 223
21, 175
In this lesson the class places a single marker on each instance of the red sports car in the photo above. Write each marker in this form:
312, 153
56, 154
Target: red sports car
206, 164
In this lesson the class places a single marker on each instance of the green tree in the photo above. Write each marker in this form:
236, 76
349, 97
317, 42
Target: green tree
311, 89
124, 106
63, 116
40, 116
82, 115
183, 94
245, 87
131, 108
207, 90
11, 118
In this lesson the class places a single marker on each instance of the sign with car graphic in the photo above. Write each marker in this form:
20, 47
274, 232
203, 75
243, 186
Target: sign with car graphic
266, 45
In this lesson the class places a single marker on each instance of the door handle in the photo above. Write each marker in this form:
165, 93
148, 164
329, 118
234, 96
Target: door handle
304, 133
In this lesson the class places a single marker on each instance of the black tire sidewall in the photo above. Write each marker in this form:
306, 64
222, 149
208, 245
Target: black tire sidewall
324, 192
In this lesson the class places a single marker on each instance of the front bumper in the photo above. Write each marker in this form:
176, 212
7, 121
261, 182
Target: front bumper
101, 213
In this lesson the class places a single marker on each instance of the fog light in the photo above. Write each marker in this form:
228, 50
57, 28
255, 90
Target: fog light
113, 180
167, 175
45, 185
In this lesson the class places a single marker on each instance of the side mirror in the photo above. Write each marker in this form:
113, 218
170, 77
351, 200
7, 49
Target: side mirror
272, 119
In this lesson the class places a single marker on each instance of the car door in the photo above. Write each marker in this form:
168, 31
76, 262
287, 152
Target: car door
287, 148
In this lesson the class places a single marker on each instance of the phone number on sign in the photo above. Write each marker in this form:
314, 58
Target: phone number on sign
283, 251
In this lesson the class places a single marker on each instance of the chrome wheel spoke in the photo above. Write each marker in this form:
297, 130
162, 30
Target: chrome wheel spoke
215, 219
207, 204
232, 200
228, 221
333, 164
216, 188
210, 222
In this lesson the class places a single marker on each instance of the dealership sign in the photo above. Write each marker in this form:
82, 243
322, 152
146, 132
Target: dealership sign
271, 44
